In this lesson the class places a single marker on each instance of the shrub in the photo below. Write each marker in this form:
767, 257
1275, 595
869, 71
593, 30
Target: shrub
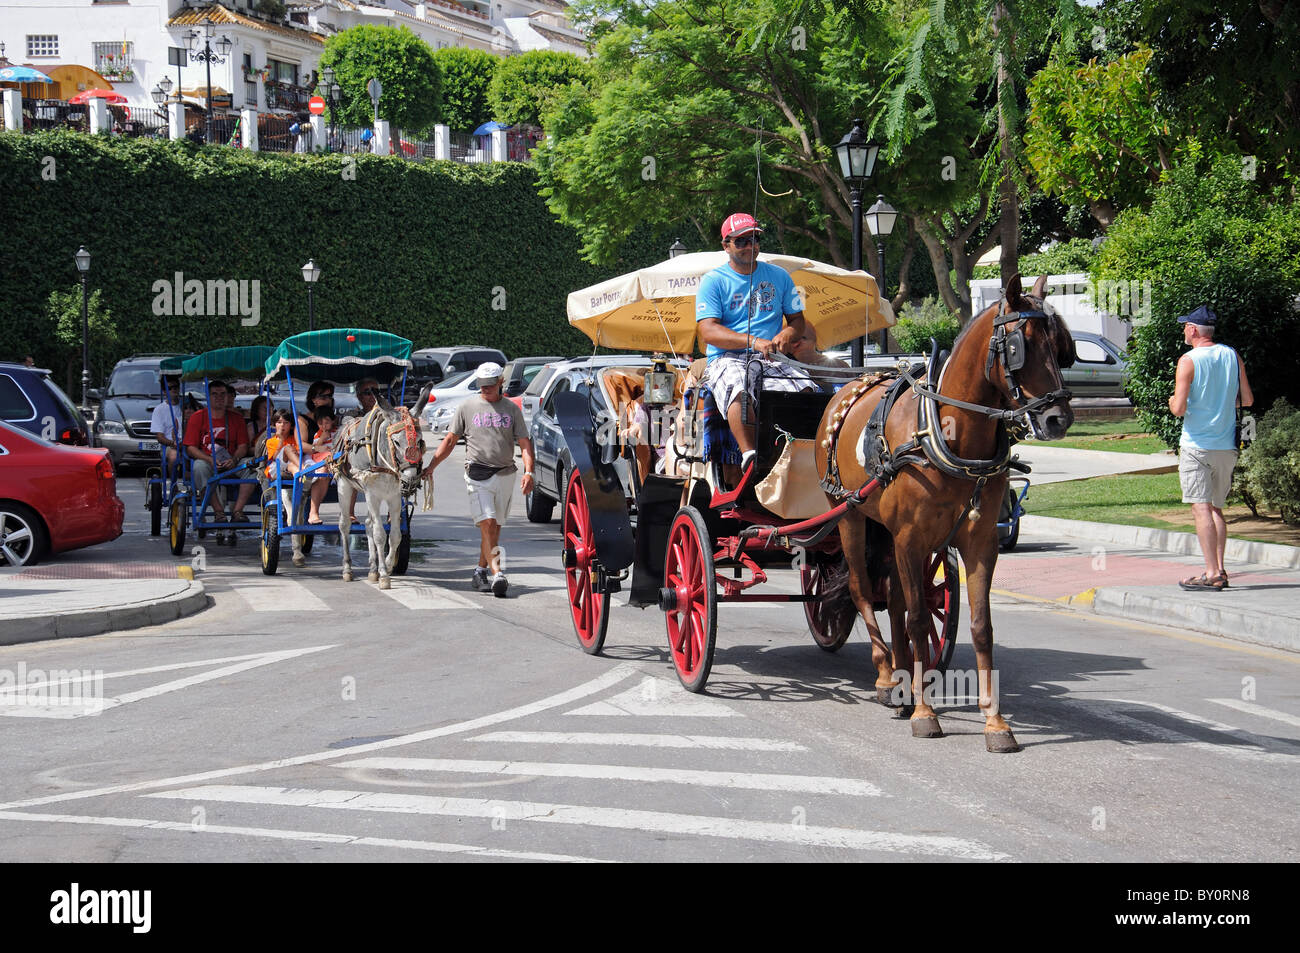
1268, 472
917, 323
466, 77
1211, 237
525, 86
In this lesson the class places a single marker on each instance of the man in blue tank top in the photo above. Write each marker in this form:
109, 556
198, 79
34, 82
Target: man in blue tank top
1209, 385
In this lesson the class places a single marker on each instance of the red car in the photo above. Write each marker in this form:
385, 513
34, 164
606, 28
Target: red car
53, 498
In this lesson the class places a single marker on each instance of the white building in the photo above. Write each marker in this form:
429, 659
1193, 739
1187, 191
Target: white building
274, 48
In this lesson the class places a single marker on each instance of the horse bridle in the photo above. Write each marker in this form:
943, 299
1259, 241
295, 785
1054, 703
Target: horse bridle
1007, 346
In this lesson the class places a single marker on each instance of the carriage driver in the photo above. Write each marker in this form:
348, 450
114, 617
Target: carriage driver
743, 305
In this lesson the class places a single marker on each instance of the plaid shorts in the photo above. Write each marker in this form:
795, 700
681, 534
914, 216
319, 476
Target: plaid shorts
725, 377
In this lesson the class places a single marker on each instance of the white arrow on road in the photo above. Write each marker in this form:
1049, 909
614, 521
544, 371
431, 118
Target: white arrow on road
82, 695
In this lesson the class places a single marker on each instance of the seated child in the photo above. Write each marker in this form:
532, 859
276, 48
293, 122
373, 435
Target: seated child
323, 446
282, 444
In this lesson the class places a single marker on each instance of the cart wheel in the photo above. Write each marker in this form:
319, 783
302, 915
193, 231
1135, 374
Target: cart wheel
403, 555
943, 599
1007, 538
691, 598
176, 517
829, 622
589, 605
155, 508
270, 541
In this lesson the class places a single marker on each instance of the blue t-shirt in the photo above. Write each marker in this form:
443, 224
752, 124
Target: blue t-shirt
1211, 419
729, 297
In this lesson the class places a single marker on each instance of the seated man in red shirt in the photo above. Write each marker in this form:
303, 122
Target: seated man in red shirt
220, 450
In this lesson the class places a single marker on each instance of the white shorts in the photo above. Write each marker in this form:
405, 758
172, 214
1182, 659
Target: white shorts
1206, 475
490, 499
726, 378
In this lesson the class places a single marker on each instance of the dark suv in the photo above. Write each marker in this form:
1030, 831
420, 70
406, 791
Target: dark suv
124, 423
30, 399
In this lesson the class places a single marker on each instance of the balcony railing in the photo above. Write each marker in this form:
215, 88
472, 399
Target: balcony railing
286, 96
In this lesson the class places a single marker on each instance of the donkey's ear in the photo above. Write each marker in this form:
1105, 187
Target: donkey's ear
1013, 292
1040, 286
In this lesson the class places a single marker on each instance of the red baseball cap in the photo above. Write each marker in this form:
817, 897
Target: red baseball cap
739, 223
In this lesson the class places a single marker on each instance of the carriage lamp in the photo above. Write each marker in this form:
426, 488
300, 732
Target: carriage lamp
660, 382
880, 219
676, 248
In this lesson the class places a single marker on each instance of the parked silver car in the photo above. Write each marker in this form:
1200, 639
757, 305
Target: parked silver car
1100, 367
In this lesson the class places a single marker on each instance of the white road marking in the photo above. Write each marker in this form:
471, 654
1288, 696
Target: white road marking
280, 594
345, 840
418, 595
1110, 708
599, 684
1253, 709
619, 772
537, 580
659, 822
19, 707
657, 697
640, 740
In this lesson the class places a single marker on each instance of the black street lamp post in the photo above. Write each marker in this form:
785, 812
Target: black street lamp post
82, 258
161, 95
333, 94
310, 272
857, 162
676, 248
880, 219
207, 55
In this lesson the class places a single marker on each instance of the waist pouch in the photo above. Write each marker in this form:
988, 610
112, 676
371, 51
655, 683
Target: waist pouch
481, 471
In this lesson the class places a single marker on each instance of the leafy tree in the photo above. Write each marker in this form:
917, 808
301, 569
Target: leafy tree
1095, 135
525, 85
1210, 237
63, 317
466, 78
400, 60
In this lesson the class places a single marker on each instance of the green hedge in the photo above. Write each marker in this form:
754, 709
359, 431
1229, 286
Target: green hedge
423, 251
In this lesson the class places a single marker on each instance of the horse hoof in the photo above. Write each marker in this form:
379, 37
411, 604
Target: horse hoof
885, 696
926, 728
299, 560
1001, 742
372, 577
385, 583
347, 577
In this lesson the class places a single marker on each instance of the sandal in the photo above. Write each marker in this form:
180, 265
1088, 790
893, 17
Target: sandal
238, 517
1218, 583
1195, 583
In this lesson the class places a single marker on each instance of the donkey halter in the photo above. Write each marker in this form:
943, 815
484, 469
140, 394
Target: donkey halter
1007, 346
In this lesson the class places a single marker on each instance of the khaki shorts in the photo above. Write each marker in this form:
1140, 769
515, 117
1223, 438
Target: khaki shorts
490, 499
1206, 475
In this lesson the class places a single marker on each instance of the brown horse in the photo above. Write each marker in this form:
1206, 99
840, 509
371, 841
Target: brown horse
941, 469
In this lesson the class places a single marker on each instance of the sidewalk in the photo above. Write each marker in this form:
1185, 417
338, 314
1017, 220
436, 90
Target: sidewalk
1132, 572
67, 600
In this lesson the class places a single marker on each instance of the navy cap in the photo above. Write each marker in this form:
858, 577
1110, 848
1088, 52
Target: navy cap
1202, 316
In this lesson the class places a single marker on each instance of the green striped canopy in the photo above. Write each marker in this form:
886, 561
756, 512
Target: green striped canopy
341, 355
236, 363
172, 365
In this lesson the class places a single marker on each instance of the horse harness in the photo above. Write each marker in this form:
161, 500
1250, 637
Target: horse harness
927, 446
371, 442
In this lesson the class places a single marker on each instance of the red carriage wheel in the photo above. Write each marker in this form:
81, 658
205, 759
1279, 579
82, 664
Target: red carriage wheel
690, 599
943, 601
589, 604
830, 620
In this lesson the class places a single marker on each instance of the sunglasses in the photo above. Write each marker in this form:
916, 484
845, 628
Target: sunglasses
746, 241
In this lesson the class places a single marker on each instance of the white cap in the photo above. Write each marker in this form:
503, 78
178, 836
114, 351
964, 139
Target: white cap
490, 371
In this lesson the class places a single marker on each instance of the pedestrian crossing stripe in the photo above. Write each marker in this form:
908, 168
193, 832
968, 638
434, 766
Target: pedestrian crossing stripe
657, 697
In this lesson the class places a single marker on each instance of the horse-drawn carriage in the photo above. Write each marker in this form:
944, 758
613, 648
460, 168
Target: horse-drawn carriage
871, 488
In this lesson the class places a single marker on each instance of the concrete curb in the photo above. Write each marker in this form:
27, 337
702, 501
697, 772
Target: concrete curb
1181, 544
1226, 622
188, 601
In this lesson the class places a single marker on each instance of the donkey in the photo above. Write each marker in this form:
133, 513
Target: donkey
938, 452
382, 453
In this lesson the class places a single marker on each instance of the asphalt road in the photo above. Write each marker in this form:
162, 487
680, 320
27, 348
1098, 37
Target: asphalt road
303, 718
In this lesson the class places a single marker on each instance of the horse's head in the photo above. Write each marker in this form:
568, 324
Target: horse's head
1028, 346
405, 443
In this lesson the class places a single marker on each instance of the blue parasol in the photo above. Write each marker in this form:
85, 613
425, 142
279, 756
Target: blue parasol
22, 74
488, 127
